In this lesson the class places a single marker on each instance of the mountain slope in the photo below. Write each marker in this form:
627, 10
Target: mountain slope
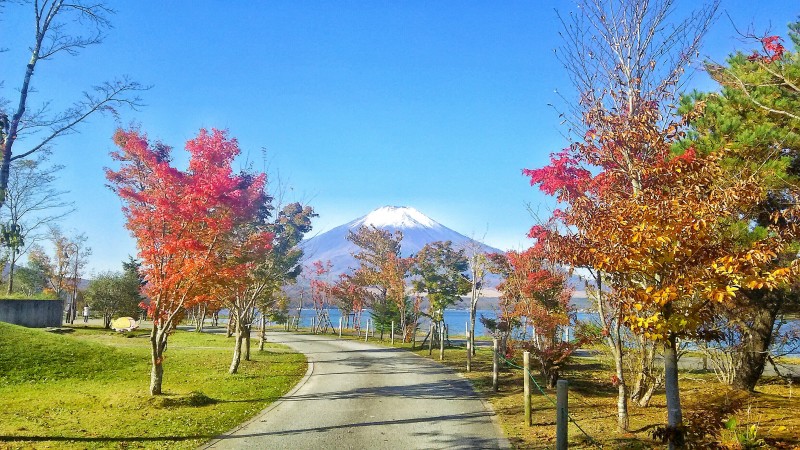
418, 230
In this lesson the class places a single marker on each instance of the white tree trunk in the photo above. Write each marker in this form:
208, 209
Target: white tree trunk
674, 415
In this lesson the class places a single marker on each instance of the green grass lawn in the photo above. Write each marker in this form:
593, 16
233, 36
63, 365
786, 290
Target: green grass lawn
89, 388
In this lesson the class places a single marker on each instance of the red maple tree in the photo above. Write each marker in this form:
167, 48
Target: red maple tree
181, 221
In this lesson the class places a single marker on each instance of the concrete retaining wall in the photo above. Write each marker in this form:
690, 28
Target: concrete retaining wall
32, 313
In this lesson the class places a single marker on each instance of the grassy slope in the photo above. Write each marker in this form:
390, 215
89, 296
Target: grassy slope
88, 389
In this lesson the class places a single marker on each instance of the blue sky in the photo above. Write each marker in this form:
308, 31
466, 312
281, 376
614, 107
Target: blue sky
352, 105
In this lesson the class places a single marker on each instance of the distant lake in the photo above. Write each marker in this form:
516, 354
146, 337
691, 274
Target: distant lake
456, 319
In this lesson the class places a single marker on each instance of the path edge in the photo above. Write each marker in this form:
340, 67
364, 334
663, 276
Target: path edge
502, 441
221, 437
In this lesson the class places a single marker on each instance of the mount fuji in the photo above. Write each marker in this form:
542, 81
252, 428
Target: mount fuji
417, 228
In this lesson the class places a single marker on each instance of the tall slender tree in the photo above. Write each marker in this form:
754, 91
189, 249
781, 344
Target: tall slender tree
32, 204
478, 269
383, 269
625, 60
440, 271
238, 282
181, 220
282, 265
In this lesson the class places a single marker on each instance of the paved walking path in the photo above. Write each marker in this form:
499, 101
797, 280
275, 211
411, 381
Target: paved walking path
357, 395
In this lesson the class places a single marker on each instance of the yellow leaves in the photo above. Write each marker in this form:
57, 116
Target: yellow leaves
651, 327
755, 284
725, 266
654, 336
781, 274
660, 297
722, 294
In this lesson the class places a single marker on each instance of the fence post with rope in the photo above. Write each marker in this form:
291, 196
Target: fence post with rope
562, 413
526, 358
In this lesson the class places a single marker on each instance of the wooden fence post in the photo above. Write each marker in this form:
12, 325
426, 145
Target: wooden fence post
495, 365
526, 373
562, 414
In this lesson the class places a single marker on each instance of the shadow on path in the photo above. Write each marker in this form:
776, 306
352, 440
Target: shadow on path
461, 418
438, 390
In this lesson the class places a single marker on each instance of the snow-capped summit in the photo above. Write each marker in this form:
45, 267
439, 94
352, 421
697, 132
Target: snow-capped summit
398, 217
417, 228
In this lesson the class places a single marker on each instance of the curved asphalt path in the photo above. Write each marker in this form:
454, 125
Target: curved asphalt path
357, 395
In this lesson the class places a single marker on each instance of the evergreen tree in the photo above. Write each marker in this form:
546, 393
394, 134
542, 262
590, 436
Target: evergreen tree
756, 117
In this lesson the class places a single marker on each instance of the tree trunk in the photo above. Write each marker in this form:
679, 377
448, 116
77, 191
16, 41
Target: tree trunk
246, 330
262, 336
441, 340
156, 377
11, 273
158, 344
237, 352
8, 131
646, 380
201, 318
622, 387
552, 378
614, 341
755, 347
402, 322
231, 324
472, 312
674, 415
432, 334
622, 406
648, 394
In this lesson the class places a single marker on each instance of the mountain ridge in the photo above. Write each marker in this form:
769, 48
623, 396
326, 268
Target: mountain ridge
418, 229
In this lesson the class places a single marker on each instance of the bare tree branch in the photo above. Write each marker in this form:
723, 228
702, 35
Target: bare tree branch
60, 27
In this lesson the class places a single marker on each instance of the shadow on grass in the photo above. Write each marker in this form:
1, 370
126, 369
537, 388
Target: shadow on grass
591, 388
99, 439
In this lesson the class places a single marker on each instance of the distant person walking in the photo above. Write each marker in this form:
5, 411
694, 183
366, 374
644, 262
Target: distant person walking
85, 314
